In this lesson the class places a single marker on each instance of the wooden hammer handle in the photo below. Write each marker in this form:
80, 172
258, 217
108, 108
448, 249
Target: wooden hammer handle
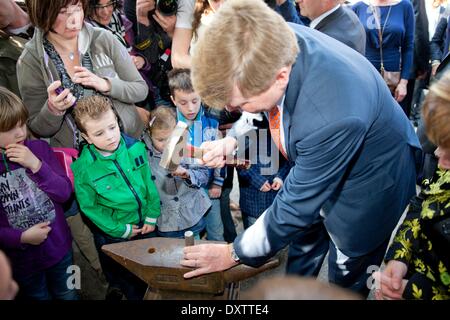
197, 153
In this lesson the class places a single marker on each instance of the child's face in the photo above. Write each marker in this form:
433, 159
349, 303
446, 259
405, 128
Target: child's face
188, 103
159, 138
15, 135
104, 132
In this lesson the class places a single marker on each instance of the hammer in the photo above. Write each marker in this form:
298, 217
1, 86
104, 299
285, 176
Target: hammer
177, 148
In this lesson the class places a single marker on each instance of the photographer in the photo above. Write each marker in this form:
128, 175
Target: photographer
153, 37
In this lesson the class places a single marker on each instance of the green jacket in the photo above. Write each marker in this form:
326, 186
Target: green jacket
117, 191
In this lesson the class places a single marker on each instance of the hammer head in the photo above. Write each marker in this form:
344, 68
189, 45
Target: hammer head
173, 151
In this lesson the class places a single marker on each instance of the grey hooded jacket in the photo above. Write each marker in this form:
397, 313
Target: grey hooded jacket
110, 60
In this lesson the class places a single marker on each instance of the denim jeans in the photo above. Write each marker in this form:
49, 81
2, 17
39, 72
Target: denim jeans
196, 229
51, 283
248, 220
214, 225
229, 229
118, 276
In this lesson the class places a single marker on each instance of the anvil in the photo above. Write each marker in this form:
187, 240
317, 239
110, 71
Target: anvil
156, 261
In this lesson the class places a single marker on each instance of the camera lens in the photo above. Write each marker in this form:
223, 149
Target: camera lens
167, 7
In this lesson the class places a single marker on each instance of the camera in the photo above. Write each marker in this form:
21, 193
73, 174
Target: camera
271, 3
167, 7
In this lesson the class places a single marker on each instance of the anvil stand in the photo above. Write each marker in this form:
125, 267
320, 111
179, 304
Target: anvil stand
157, 262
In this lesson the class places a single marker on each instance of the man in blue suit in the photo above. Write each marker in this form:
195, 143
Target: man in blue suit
353, 147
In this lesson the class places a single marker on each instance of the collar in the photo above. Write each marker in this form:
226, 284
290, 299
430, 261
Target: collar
181, 117
280, 102
84, 39
317, 20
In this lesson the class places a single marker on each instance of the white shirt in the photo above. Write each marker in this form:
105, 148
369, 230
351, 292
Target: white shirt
280, 109
317, 20
433, 15
185, 14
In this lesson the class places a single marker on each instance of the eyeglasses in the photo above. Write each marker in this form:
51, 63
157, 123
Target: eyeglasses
105, 6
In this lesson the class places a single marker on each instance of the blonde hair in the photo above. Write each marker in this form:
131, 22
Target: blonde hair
162, 118
12, 110
91, 107
245, 45
436, 112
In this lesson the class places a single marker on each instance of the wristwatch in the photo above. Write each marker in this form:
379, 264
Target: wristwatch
233, 254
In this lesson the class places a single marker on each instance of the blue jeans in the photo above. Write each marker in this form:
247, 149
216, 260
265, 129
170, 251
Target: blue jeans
229, 229
118, 276
196, 229
307, 253
214, 225
248, 220
51, 283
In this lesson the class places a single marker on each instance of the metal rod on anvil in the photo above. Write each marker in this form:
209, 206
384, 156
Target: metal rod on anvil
189, 238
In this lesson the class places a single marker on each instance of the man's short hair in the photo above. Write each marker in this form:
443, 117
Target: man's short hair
12, 110
91, 107
245, 45
180, 79
43, 13
436, 112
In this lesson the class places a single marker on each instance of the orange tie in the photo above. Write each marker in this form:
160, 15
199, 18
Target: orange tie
274, 125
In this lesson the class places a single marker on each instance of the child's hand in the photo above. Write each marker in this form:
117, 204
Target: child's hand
277, 184
22, 155
135, 231
181, 172
36, 234
147, 228
215, 191
265, 187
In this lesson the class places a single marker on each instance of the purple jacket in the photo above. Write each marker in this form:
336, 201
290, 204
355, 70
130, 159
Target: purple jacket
27, 199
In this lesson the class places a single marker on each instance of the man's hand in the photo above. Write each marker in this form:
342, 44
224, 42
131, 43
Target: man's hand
36, 234
20, 154
207, 258
434, 68
167, 23
143, 7
88, 79
215, 191
266, 187
215, 151
391, 280
147, 228
277, 184
58, 103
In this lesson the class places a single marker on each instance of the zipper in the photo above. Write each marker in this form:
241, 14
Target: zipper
132, 190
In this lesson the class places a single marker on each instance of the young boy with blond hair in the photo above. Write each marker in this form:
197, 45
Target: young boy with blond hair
113, 186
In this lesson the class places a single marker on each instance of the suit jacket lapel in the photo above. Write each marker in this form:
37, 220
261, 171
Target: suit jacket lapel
325, 20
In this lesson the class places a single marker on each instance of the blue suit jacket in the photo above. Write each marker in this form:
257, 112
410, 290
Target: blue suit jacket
354, 153
344, 25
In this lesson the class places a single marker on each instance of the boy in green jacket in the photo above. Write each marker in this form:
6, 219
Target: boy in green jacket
113, 186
